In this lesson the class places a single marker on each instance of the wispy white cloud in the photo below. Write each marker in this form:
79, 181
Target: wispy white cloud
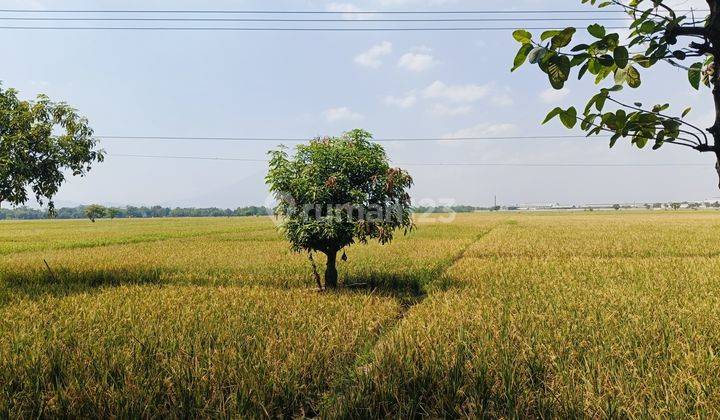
502, 98
552, 96
418, 60
484, 130
39, 83
407, 101
349, 11
453, 100
372, 57
456, 93
342, 113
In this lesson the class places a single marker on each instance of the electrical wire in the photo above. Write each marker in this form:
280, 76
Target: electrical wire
327, 12
278, 29
445, 20
379, 140
487, 164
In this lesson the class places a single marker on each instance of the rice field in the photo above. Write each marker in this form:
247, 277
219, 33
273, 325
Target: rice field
494, 315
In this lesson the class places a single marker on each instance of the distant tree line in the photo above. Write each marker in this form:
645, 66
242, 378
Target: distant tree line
95, 211
450, 209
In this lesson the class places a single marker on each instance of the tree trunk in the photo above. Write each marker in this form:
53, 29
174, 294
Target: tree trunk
717, 164
714, 26
715, 129
316, 275
331, 274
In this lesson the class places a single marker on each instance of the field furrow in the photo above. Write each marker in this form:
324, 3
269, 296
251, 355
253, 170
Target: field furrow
525, 328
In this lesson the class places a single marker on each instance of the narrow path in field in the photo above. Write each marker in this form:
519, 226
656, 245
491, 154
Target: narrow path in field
435, 279
440, 280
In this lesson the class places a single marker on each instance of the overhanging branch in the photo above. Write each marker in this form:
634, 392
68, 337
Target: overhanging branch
677, 142
698, 129
687, 31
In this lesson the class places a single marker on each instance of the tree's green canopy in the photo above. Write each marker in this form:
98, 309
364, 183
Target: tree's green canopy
338, 190
95, 211
656, 31
112, 212
39, 141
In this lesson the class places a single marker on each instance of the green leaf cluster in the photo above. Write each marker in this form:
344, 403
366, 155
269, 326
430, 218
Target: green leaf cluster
640, 125
95, 211
604, 56
322, 180
41, 141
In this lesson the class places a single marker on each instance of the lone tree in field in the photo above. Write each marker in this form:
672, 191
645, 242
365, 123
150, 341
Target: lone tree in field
112, 212
658, 34
41, 141
95, 211
336, 191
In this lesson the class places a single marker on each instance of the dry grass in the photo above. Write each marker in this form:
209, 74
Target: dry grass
181, 351
605, 235
618, 318
239, 251
515, 315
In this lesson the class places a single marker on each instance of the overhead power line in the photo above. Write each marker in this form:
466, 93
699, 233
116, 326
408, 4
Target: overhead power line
188, 157
490, 164
327, 12
24, 18
302, 20
380, 140
278, 29
558, 165
29, 20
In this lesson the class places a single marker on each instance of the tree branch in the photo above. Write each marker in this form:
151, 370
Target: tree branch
633, 10
678, 143
687, 31
701, 131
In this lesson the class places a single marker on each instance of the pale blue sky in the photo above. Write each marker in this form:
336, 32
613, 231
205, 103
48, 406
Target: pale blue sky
265, 84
